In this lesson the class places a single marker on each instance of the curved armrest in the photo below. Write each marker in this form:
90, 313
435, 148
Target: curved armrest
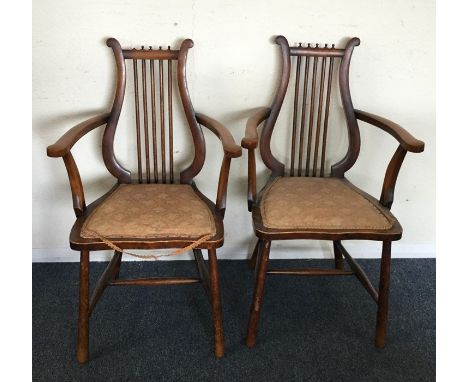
67, 140
406, 140
250, 140
231, 149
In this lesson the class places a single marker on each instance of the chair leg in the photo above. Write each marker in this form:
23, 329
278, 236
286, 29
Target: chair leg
339, 263
117, 266
258, 294
253, 258
384, 288
82, 349
216, 304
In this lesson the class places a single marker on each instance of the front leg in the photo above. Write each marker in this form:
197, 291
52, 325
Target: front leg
216, 304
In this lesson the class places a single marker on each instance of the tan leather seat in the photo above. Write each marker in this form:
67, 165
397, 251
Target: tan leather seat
320, 203
151, 211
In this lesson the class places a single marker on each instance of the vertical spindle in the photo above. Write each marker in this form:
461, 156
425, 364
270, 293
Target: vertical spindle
296, 96
161, 110
325, 123
153, 122
145, 118
303, 114
171, 138
137, 114
311, 115
319, 115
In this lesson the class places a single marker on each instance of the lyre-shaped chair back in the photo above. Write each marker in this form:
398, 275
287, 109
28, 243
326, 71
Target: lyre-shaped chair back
153, 77
313, 67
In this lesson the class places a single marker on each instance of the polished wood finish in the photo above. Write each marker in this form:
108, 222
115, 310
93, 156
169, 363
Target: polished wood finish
155, 281
359, 272
82, 348
68, 140
308, 158
253, 259
384, 291
202, 271
154, 128
216, 304
406, 140
110, 273
258, 293
309, 272
153, 123
137, 122
339, 263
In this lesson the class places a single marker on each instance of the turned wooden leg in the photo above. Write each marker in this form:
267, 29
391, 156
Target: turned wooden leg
253, 258
216, 304
258, 294
384, 287
82, 348
339, 263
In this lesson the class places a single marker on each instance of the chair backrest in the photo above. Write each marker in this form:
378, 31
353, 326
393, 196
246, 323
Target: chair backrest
313, 67
153, 87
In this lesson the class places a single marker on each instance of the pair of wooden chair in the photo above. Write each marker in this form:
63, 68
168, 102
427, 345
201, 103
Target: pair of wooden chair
156, 209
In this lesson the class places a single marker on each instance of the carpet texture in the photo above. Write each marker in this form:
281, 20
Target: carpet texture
311, 328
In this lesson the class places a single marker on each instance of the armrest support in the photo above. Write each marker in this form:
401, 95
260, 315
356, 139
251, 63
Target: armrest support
62, 148
391, 174
250, 140
231, 149
66, 141
406, 140
76, 186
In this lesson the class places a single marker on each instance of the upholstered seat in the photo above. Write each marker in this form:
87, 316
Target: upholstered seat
320, 203
151, 211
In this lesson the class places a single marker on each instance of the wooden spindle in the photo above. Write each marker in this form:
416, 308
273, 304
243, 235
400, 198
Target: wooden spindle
303, 115
319, 115
296, 96
325, 122
161, 111
145, 119
153, 123
137, 114
311, 116
171, 138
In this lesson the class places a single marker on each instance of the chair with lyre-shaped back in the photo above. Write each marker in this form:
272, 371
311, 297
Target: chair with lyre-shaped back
154, 207
313, 200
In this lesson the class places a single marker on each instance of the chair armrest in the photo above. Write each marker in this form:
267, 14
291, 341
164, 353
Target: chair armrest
406, 140
231, 149
250, 140
67, 140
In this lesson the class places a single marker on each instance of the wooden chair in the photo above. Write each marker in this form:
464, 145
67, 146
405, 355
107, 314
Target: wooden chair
154, 210
310, 202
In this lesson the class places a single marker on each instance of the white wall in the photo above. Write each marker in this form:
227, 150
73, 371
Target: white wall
233, 69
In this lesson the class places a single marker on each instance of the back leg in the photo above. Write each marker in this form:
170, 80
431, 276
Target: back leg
339, 263
82, 348
253, 258
258, 294
384, 290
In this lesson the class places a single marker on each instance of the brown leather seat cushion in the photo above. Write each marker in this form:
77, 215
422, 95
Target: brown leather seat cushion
319, 203
151, 211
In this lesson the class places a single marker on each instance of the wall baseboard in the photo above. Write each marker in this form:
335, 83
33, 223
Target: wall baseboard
320, 250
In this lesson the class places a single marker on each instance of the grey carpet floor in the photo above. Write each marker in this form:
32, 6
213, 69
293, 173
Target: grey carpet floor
311, 328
